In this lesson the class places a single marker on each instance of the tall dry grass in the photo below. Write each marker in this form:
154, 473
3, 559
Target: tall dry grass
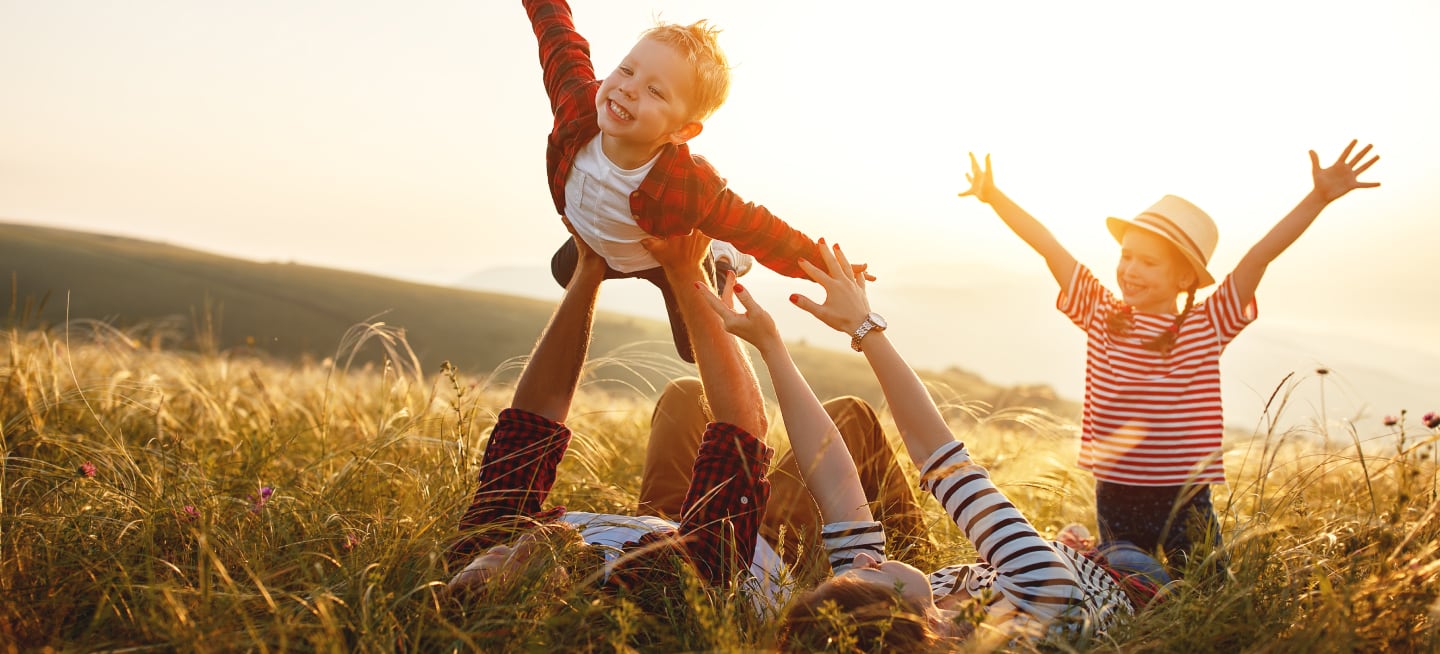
155, 497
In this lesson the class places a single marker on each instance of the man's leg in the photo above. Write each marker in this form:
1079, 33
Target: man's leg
793, 509
676, 428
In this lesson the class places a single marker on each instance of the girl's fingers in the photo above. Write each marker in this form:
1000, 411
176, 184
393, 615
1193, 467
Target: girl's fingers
1360, 156
1346, 154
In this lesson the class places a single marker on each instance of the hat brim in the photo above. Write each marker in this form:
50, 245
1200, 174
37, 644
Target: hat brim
1118, 226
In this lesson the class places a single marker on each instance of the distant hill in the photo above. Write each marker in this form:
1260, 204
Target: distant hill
290, 311
1002, 324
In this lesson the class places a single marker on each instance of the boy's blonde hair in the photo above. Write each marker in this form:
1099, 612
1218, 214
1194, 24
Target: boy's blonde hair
699, 44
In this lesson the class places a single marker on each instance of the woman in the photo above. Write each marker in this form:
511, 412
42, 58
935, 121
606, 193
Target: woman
1021, 586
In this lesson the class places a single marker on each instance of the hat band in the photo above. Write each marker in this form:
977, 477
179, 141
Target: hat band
1172, 230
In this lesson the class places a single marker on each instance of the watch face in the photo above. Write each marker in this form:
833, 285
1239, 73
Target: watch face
877, 321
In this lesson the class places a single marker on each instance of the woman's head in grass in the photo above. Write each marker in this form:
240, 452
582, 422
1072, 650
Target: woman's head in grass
873, 606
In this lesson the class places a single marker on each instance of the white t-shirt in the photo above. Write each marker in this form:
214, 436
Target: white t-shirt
610, 532
597, 202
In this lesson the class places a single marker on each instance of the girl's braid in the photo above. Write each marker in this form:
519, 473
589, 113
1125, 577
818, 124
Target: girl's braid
1166, 340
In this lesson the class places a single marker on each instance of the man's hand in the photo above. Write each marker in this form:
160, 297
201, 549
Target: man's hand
588, 261
679, 254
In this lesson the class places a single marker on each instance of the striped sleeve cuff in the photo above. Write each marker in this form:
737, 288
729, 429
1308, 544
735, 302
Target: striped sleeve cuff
942, 463
843, 540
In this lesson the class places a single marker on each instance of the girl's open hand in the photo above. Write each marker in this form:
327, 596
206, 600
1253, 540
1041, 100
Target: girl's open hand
845, 305
754, 326
1342, 176
982, 183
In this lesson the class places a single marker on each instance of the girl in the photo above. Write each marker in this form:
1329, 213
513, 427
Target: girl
1152, 425
1022, 584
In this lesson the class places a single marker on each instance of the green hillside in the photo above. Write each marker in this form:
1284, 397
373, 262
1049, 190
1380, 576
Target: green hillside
204, 301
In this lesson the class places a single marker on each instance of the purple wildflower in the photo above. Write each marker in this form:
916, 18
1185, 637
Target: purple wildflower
258, 501
351, 540
189, 512
1391, 421
87, 469
1432, 419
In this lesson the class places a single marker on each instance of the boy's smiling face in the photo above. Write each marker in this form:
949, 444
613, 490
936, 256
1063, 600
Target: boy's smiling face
646, 103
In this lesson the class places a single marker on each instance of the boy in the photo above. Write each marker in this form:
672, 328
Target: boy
618, 163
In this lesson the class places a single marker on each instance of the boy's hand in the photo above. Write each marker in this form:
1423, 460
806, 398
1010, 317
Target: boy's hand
1342, 176
982, 183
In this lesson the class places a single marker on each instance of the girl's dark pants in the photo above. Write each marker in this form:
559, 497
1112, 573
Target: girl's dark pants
1166, 520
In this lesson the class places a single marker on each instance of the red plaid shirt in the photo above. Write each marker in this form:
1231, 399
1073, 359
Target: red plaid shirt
722, 510
683, 191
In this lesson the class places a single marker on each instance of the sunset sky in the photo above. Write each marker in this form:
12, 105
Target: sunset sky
407, 139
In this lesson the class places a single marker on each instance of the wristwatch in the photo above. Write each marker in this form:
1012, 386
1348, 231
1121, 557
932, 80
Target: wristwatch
873, 321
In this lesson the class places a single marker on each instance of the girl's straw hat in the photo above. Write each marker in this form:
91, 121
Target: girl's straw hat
1183, 224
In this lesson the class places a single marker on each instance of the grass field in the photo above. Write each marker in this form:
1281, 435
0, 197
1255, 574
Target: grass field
168, 499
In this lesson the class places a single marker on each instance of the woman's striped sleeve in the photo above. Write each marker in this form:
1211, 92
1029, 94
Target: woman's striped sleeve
843, 540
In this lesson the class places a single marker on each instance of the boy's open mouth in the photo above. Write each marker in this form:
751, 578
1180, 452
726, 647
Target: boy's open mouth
618, 110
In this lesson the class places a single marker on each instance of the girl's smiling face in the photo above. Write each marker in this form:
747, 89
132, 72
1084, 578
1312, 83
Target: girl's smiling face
1151, 272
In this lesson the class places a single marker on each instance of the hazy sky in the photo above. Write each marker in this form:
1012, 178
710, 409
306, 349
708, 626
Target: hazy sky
407, 139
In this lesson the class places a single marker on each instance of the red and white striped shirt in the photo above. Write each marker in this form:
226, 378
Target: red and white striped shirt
1152, 419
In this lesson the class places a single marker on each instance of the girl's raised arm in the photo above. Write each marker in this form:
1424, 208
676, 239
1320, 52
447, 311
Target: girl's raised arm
982, 187
1330, 183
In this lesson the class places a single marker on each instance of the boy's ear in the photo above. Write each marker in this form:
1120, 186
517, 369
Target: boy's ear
686, 132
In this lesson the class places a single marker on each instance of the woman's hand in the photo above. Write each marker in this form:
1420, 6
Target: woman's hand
754, 326
1342, 176
845, 305
982, 182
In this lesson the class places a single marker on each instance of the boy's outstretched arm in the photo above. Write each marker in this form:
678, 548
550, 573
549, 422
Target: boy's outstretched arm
564, 54
982, 187
1330, 184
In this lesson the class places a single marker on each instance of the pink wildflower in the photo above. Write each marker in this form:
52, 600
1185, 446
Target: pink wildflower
351, 540
258, 501
88, 469
1391, 421
189, 512
1432, 419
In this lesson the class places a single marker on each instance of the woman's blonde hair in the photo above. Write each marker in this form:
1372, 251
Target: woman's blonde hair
851, 615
